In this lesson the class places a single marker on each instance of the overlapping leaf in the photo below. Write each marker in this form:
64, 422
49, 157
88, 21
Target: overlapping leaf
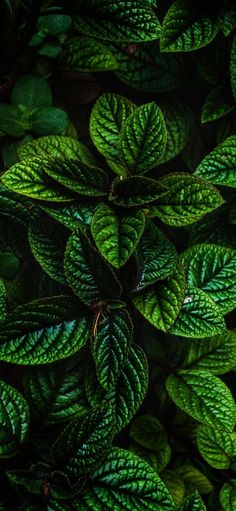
56, 146
14, 420
218, 166
228, 495
193, 503
85, 54
216, 354
136, 191
216, 446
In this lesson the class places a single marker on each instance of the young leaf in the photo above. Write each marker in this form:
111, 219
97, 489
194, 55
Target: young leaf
217, 105
49, 121
199, 316
216, 354
85, 54
213, 269
216, 446
14, 420
136, 191
87, 272
204, 397
233, 67
161, 303
31, 92
107, 118
188, 198
228, 495
142, 139
193, 503
218, 166
111, 344
188, 26
116, 235
156, 257
44, 331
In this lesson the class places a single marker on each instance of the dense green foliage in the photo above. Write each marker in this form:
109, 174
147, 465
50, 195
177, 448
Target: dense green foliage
117, 255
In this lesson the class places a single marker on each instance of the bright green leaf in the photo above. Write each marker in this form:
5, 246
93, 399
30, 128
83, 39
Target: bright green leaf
193, 503
228, 495
218, 166
216, 354
216, 446
87, 55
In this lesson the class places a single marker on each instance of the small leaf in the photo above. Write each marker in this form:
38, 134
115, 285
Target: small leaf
31, 92
49, 121
87, 55
188, 26
194, 479
228, 22
204, 397
148, 432
14, 420
136, 191
217, 105
158, 460
218, 166
11, 121
142, 139
9, 265
228, 495
54, 24
116, 235
216, 354
216, 446
193, 503
107, 118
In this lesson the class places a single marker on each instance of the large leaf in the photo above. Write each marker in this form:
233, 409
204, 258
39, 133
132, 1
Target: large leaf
217, 104
136, 191
118, 21
216, 354
87, 272
116, 235
204, 397
44, 331
85, 54
156, 257
193, 503
84, 443
213, 269
46, 387
14, 420
56, 146
216, 446
111, 344
218, 166
29, 178
142, 139
228, 495
107, 118
31, 92
188, 198
124, 482
187, 26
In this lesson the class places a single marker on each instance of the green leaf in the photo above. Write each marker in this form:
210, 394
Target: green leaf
194, 479
46, 387
31, 92
29, 178
156, 257
228, 22
84, 443
14, 420
111, 344
87, 272
199, 316
71, 215
50, 121
188, 26
178, 120
136, 191
161, 303
51, 49
213, 269
56, 146
44, 331
156, 459
148, 432
47, 242
54, 24
125, 482
193, 503
85, 54
107, 118
3, 300
11, 121
9, 265
142, 139
216, 446
187, 200
118, 21
174, 484
204, 397
233, 67
116, 235
217, 104
228, 495
216, 354
218, 166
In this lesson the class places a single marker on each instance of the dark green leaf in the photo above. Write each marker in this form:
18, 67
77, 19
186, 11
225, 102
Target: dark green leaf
233, 67
178, 120
194, 479
11, 121
136, 191
50, 121
85, 54
31, 92
148, 432
218, 166
54, 24
14, 420
217, 104
72, 214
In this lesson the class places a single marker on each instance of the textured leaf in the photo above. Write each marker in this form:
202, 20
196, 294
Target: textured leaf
11, 121
84, 443
174, 484
44, 331
233, 67
178, 120
204, 397
125, 482
118, 21
187, 200
216, 354
142, 139
218, 166
194, 479
116, 235
54, 24
148, 432
228, 495
161, 303
199, 316
193, 503
71, 215
14, 420
228, 22
29, 178
136, 191
50, 121
216, 446
156, 257
188, 26
111, 345
213, 269
218, 103
87, 272
85, 54
107, 118
158, 460
46, 387
56, 146
31, 92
